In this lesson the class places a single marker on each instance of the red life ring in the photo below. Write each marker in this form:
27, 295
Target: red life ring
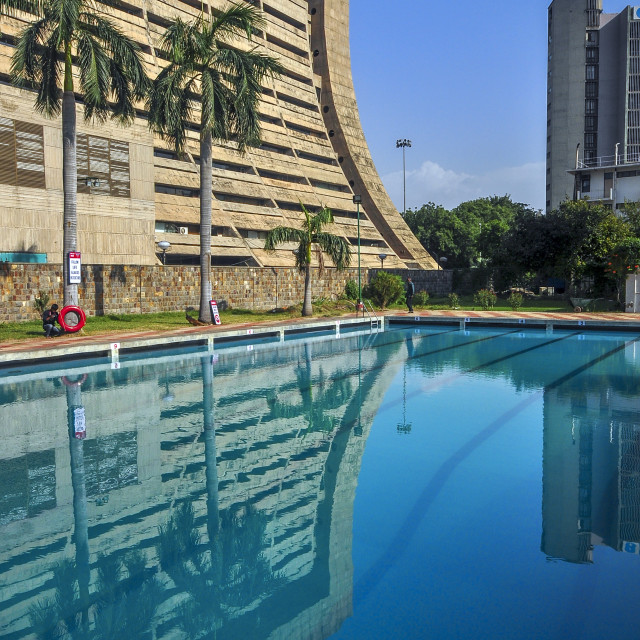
82, 318
75, 383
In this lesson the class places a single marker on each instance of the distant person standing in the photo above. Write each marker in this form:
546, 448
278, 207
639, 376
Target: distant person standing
49, 319
410, 291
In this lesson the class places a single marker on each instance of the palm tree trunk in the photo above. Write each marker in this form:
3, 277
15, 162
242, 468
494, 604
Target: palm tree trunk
307, 308
70, 188
210, 453
205, 227
80, 515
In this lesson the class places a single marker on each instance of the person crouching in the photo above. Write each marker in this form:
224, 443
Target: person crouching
49, 319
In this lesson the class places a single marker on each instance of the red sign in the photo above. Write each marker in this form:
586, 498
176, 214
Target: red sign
215, 316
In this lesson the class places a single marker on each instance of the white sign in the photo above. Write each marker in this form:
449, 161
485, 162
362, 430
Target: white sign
75, 264
213, 305
79, 423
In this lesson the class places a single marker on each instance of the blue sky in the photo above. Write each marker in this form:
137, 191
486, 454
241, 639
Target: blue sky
466, 83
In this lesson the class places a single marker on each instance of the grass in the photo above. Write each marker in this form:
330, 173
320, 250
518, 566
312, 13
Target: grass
114, 324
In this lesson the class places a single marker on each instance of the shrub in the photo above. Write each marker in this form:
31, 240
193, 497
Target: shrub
41, 302
454, 300
385, 289
485, 299
421, 299
515, 300
351, 290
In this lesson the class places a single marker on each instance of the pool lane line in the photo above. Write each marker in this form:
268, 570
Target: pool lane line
441, 381
370, 579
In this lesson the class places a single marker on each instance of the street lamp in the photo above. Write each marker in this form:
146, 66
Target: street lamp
382, 256
357, 200
443, 260
403, 144
164, 246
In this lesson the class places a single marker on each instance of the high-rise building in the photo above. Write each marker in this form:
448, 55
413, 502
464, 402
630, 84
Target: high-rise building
133, 191
593, 104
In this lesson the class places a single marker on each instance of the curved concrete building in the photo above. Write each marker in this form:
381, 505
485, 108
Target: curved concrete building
313, 151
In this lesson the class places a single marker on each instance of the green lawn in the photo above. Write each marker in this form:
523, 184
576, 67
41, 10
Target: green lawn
113, 324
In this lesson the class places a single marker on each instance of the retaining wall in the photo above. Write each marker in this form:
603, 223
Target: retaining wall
109, 289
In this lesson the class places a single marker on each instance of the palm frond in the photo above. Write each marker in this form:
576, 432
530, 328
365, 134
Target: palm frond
25, 63
94, 65
171, 104
237, 18
320, 219
123, 51
64, 14
180, 41
336, 247
11, 7
280, 235
215, 102
49, 94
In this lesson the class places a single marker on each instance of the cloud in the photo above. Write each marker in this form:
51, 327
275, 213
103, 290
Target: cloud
433, 183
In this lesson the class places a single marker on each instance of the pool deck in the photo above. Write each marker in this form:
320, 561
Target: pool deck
74, 346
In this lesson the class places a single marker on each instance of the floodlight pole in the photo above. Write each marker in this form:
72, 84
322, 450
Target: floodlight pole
403, 144
357, 199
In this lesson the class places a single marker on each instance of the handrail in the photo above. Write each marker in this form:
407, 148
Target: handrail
373, 316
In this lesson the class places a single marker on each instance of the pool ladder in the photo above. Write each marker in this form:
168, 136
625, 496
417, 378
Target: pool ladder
373, 316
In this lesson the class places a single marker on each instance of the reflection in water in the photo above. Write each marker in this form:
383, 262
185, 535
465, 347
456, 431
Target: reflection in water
213, 494
203, 491
591, 465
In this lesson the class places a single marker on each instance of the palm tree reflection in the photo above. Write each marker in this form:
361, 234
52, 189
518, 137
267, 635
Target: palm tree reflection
328, 396
221, 575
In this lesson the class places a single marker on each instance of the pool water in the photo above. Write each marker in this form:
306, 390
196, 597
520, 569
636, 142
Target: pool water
422, 482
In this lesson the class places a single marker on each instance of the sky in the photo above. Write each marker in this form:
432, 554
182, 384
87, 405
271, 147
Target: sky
466, 83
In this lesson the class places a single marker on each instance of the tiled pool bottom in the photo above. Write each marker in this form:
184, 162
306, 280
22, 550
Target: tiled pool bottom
418, 483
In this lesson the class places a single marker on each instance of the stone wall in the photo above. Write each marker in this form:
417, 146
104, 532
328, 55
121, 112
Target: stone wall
107, 289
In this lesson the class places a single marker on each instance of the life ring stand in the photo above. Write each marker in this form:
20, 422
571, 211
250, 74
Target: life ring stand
82, 318
76, 383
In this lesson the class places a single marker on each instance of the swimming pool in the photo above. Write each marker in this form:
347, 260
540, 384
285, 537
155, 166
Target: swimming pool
422, 482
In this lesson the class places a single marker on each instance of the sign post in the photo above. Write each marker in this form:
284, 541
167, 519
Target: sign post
75, 263
215, 316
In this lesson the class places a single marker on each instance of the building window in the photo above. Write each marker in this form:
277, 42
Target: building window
591, 72
591, 123
585, 184
593, 54
104, 159
591, 107
591, 89
21, 154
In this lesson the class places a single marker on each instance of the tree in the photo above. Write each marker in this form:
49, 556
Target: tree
111, 78
209, 76
469, 235
589, 234
624, 261
308, 237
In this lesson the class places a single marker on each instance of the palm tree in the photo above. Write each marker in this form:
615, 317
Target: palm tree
111, 78
207, 74
308, 237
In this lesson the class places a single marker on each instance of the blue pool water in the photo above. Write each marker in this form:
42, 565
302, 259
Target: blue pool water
415, 483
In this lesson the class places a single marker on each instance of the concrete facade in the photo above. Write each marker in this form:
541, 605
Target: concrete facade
593, 104
313, 152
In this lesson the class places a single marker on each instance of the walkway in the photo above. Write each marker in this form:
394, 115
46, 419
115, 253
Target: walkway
76, 345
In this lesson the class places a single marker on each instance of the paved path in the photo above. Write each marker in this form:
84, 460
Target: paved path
48, 344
